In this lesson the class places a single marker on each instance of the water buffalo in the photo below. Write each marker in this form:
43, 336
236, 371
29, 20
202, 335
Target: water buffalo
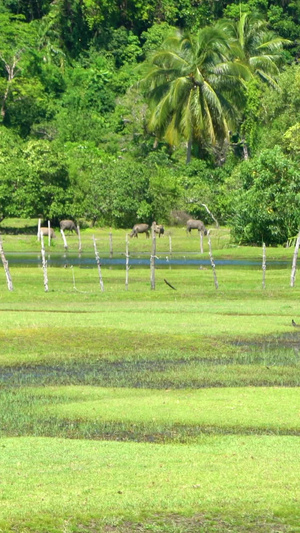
45, 232
68, 224
195, 224
140, 228
159, 229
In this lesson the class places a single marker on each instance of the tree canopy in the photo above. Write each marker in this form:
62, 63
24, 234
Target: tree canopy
104, 102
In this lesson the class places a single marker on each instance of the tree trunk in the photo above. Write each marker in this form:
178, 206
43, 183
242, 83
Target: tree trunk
245, 150
189, 151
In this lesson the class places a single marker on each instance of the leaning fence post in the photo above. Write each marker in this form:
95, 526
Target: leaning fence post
264, 267
98, 264
295, 256
79, 239
44, 263
152, 258
49, 233
110, 244
127, 262
5, 266
39, 230
212, 261
64, 239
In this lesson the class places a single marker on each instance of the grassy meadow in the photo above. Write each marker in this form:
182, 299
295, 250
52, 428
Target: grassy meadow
140, 410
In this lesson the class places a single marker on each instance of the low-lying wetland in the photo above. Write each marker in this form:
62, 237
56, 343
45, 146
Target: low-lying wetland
163, 403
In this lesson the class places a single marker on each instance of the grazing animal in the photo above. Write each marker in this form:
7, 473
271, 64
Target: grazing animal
159, 229
69, 225
45, 232
140, 228
195, 224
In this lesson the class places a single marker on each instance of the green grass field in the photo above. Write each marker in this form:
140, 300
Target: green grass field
141, 410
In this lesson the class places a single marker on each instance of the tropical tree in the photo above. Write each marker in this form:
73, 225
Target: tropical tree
260, 51
254, 45
194, 90
266, 206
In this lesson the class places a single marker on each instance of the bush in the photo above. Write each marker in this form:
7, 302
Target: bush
267, 207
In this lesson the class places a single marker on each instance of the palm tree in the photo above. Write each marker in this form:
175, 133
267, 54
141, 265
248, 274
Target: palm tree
255, 47
194, 90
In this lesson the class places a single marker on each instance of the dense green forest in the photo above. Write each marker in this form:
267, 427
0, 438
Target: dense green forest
118, 111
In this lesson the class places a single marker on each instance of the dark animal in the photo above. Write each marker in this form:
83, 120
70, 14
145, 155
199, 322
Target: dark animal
295, 325
159, 229
69, 225
140, 228
170, 285
195, 224
45, 232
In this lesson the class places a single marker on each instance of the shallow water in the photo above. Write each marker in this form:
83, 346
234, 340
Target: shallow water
85, 260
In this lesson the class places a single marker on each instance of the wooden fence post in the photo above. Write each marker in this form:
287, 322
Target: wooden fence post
212, 261
111, 253
127, 262
64, 239
294, 264
201, 241
79, 239
39, 230
49, 233
44, 263
98, 264
264, 267
170, 244
152, 258
5, 266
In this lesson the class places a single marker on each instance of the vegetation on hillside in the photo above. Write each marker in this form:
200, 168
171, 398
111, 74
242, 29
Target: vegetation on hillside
119, 112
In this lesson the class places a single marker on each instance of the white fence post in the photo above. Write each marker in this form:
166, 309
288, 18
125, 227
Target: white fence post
5, 266
294, 264
44, 263
49, 233
212, 261
98, 264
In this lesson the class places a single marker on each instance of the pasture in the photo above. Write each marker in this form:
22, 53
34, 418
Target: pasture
139, 410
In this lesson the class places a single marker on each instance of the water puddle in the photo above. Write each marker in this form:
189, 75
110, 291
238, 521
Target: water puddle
139, 260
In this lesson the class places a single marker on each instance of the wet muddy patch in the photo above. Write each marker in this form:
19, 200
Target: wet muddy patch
254, 367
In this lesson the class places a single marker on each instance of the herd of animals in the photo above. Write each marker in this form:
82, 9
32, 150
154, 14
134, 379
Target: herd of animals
137, 228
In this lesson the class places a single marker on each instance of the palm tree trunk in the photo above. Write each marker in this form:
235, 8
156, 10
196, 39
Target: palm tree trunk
245, 150
189, 151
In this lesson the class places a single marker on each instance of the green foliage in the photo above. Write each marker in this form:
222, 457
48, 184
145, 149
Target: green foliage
190, 89
21, 92
68, 89
280, 110
121, 193
34, 179
291, 139
250, 125
124, 46
267, 207
204, 184
12, 171
154, 37
116, 191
